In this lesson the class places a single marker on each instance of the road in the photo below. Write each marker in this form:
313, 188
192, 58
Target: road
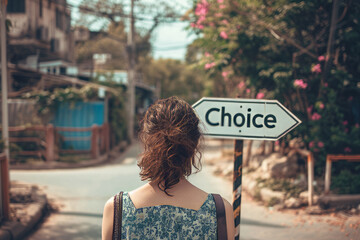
83, 192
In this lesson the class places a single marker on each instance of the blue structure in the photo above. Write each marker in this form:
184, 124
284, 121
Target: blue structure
81, 115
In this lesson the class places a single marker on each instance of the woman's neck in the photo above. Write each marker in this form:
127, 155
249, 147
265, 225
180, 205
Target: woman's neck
182, 184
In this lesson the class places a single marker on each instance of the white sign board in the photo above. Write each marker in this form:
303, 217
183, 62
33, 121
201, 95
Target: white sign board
244, 118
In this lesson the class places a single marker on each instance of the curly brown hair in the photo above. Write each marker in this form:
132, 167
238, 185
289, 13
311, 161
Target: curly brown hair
170, 134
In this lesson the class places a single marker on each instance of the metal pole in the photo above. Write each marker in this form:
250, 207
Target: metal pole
327, 174
5, 123
310, 178
131, 73
238, 158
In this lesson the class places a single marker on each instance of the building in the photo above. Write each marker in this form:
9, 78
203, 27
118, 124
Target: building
41, 47
40, 38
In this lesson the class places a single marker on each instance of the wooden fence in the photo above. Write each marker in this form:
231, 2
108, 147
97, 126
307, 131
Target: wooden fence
100, 139
100, 142
332, 158
310, 167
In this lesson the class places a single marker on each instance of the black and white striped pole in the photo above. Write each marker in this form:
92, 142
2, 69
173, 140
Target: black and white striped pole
238, 159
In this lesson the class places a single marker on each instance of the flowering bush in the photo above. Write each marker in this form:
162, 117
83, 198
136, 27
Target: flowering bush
279, 50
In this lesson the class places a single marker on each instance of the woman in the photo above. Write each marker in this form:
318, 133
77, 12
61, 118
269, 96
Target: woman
168, 206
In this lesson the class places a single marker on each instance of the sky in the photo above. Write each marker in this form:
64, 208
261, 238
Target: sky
169, 40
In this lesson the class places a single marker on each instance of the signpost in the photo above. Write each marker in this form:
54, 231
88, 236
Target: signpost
243, 119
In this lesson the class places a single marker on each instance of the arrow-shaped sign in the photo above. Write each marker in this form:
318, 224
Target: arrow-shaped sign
244, 118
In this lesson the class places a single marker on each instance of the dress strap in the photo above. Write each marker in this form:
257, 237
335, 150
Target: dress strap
117, 216
221, 217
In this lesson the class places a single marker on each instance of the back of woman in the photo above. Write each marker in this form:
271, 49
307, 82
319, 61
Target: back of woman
168, 221
168, 206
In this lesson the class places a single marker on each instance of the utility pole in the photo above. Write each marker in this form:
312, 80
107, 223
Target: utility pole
4, 180
131, 74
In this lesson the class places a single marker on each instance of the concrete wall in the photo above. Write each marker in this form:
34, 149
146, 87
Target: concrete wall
26, 25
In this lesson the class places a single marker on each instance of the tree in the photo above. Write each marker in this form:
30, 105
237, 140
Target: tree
114, 11
173, 77
287, 50
112, 41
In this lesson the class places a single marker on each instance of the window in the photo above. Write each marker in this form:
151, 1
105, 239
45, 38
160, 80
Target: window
40, 8
16, 6
59, 19
63, 70
67, 23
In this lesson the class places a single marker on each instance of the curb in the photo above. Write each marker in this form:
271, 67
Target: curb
105, 158
16, 230
60, 165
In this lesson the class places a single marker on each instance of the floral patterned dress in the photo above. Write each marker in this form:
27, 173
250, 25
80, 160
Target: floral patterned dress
168, 222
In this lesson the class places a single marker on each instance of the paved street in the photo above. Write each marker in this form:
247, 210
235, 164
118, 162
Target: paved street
83, 192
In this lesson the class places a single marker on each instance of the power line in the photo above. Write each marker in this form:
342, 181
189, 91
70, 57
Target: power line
163, 19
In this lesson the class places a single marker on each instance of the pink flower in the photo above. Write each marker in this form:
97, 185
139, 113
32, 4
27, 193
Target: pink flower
224, 35
320, 144
224, 74
321, 58
222, 6
207, 54
309, 109
211, 24
316, 68
315, 116
300, 83
202, 8
326, 84
241, 85
347, 150
247, 90
311, 144
218, 14
200, 20
345, 123
200, 26
220, 1
260, 95
357, 125
225, 22
210, 65
193, 25
321, 106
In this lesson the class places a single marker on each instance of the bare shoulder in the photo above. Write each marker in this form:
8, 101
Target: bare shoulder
109, 210
108, 218
229, 219
227, 204
109, 204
